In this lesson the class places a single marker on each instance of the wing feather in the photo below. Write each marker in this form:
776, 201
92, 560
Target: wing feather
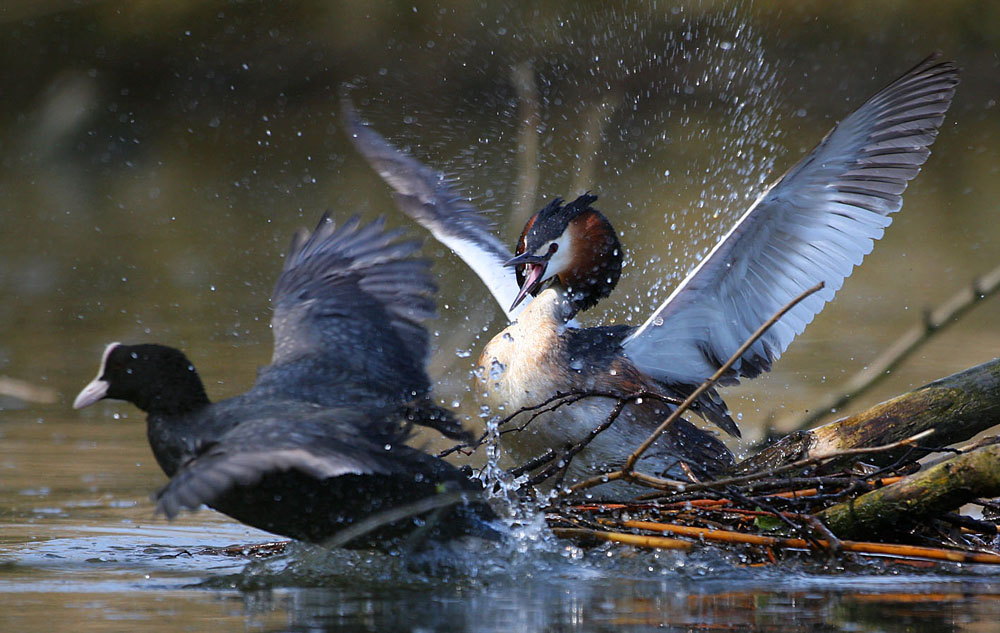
425, 196
353, 298
328, 444
814, 224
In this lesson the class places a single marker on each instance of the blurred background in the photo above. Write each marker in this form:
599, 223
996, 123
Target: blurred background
156, 157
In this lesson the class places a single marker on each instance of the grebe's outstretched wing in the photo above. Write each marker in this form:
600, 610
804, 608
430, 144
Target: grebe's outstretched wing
816, 223
424, 195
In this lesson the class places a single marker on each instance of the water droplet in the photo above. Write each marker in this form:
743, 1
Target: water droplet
497, 369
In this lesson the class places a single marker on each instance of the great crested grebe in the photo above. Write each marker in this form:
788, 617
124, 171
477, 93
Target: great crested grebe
318, 442
814, 224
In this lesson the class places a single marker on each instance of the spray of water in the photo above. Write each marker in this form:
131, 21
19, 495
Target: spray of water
668, 114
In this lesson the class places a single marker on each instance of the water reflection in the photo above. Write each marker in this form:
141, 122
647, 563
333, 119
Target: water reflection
113, 576
639, 607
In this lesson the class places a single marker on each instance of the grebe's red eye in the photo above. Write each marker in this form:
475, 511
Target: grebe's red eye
553, 247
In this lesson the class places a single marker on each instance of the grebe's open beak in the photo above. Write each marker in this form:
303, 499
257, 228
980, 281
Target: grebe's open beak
534, 274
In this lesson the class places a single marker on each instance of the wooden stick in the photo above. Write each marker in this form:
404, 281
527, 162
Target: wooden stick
852, 452
812, 492
638, 540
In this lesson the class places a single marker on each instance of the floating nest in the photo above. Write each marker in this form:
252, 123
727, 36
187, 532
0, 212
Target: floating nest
771, 518
846, 489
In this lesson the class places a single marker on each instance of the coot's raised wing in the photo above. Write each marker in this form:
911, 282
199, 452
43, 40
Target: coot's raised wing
814, 224
348, 308
424, 195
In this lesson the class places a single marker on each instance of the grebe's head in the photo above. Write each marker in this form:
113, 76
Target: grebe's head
573, 244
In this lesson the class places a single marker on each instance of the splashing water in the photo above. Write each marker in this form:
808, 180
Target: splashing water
681, 102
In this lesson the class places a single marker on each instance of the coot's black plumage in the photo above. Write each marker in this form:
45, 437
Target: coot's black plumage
318, 442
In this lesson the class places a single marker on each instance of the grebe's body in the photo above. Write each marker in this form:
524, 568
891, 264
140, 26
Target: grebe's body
539, 356
815, 224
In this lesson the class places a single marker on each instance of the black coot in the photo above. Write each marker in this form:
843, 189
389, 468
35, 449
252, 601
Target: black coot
318, 443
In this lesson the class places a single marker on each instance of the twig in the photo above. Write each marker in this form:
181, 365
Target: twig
830, 541
860, 547
809, 461
538, 409
563, 464
569, 397
559, 467
559, 400
533, 463
658, 542
975, 525
935, 321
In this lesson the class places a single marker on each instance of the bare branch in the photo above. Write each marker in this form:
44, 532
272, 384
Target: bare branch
523, 78
802, 463
934, 322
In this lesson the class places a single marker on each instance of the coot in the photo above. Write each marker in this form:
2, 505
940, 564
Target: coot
319, 442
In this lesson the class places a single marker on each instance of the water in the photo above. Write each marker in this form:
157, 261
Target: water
154, 202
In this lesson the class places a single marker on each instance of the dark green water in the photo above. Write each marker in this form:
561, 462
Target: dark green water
155, 159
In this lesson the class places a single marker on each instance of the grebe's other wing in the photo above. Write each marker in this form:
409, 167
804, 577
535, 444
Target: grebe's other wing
424, 195
816, 223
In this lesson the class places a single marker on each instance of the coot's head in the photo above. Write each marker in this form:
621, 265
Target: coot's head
156, 378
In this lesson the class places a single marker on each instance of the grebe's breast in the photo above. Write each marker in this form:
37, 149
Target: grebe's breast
537, 358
